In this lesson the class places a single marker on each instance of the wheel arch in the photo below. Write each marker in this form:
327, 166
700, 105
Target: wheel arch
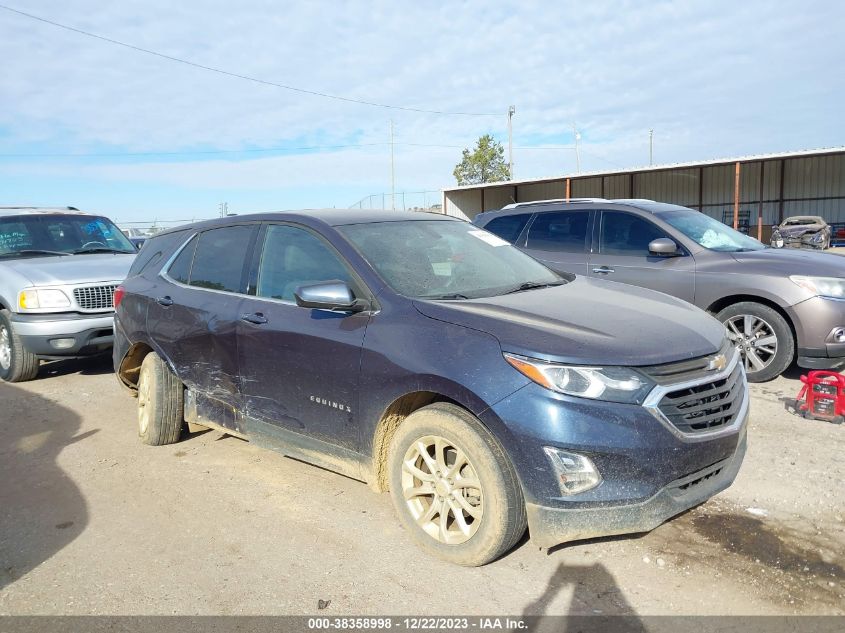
722, 303
130, 365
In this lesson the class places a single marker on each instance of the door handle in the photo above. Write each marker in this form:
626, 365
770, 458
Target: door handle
603, 270
256, 318
164, 301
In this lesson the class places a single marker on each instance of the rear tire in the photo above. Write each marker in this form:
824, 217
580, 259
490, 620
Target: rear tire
160, 403
762, 336
17, 364
443, 459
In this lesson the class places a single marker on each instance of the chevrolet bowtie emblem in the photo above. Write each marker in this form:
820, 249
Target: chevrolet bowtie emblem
717, 363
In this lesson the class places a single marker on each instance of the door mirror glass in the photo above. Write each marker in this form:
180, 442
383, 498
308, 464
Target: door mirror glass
663, 246
329, 295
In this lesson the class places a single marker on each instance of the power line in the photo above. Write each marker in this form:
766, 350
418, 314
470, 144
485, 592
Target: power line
255, 150
238, 75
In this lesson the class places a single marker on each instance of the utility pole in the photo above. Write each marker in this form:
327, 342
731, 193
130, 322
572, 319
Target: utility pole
392, 172
651, 147
511, 112
577, 149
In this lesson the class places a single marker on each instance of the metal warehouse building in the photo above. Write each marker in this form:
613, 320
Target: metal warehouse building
751, 192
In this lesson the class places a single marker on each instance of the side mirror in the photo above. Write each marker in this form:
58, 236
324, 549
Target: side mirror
663, 246
329, 295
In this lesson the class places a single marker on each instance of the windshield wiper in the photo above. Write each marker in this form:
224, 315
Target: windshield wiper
99, 249
454, 295
33, 251
533, 285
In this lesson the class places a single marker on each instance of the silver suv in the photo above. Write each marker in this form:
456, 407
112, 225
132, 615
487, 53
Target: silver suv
58, 272
777, 304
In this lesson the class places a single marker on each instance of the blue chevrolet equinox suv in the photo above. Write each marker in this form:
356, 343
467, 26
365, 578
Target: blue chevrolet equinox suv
428, 357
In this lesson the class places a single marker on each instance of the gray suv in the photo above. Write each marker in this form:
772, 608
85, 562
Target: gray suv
778, 305
58, 272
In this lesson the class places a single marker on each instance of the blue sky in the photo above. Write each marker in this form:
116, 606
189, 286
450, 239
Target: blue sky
713, 79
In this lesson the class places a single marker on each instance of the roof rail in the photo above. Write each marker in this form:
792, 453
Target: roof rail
630, 200
515, 205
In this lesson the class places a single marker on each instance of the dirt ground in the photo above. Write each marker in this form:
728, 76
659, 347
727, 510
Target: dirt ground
93, 522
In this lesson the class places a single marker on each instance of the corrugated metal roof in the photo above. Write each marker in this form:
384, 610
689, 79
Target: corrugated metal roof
649, 168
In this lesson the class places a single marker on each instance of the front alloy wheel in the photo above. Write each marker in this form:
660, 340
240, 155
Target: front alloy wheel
755, 339
454, 487
442, 490
763, 337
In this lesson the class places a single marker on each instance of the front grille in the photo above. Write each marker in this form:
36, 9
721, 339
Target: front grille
94, 297
705, 407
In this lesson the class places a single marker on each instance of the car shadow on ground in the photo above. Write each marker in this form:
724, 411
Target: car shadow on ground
90, 366
41, 509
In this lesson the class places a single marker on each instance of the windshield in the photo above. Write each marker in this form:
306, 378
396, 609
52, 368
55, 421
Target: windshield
710, 233
438, 259
57, 234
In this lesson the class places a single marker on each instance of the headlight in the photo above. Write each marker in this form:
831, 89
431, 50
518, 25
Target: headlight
614, 384
818, 237
44, 298
832, 287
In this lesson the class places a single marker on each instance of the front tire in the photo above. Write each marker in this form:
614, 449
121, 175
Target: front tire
762, 336
160, 403
17, 364
453, 487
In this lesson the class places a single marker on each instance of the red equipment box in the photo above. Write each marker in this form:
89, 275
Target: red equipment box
823, 396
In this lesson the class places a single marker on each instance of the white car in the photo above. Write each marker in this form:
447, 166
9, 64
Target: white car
58, 271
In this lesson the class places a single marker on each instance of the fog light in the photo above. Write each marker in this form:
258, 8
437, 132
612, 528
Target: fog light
576, 473
62, 343
839, 335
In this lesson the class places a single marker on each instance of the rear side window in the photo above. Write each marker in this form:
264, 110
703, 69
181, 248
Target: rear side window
508, 227
626, 234
563, 232
156, 248
219, 258
293, 257
180, 269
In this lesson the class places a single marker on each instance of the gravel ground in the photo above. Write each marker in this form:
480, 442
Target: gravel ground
93, 522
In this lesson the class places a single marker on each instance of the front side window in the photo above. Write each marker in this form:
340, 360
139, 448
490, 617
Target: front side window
441, 259
626, 234
294, 257
60, 234
508, 227
218, 263
564, 232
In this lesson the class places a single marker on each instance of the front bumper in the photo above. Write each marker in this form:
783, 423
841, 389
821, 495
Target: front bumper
549, 526
815, 320
50, 335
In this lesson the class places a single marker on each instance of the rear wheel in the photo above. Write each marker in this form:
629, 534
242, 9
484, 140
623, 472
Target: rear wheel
762, 336
453, 487
16, 363
160, 403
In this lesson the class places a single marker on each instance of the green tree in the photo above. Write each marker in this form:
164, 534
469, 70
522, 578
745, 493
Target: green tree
485, 164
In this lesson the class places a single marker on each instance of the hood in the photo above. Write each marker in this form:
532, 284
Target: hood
72, 269
776, 261
588, 322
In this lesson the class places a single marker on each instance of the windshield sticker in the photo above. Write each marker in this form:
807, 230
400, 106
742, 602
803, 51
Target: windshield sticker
491, 239
442, 269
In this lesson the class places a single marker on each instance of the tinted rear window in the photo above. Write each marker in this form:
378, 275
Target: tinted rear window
180, 269
508, 227
219, 258
564, 231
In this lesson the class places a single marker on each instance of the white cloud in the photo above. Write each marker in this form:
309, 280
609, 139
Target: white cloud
711, 78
